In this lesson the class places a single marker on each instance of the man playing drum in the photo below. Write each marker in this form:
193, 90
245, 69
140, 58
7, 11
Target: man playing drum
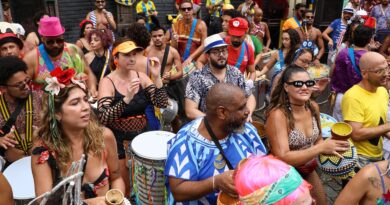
188, 34
168, 56
202, 156
214, 72
19, 107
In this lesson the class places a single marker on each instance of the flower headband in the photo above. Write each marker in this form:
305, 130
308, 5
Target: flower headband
276, 191
53, 85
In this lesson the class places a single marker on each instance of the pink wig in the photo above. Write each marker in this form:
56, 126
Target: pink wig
259, 171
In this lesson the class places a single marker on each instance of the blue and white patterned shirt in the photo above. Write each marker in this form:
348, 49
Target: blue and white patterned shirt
201, 81
191, 156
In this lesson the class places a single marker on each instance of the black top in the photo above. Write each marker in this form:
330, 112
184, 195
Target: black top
97, 66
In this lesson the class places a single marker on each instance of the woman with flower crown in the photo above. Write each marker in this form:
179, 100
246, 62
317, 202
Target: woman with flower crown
69, 130
124, 95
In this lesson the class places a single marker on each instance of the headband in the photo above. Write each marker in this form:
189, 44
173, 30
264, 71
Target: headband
276, 191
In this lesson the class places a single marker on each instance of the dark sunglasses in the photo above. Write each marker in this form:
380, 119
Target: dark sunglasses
299, 83
186, 9
52, 41
100, 2
309, 17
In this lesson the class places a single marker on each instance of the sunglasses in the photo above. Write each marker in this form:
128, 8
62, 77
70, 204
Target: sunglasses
100, 2
186, 9
309, 17
22, 85
52, 41
299, 83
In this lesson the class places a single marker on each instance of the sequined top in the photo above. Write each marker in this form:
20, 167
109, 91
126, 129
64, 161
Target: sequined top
298, 141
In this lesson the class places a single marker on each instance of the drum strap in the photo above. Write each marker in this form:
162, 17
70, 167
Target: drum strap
244, 47
164, 61
215, 140
351, 55
11, 119
189, 40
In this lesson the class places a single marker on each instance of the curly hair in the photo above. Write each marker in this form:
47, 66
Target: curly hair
139, 34
9, 65
93, 133
295, 43
279, 97
104, 35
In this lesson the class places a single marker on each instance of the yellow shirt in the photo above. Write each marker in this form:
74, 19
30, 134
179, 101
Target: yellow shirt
370, 109
148, 6
290, 24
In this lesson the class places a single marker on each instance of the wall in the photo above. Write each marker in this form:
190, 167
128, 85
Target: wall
72, 12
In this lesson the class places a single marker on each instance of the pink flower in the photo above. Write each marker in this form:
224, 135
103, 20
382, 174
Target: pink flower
53, 86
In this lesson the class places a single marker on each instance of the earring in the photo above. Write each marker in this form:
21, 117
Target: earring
116, 63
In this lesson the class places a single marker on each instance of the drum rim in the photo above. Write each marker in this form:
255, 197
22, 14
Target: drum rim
139, 154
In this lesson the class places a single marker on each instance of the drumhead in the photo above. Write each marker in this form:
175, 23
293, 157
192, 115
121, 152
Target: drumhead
326, 124
152, 145
19, 176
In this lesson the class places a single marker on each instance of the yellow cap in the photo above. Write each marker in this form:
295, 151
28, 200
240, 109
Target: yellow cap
125, 47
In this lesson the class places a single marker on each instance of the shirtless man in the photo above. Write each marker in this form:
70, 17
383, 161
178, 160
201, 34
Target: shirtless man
369, 186
157, 49
101, 15
308, 32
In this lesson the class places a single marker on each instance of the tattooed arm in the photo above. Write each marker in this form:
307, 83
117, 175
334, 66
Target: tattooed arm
363, 188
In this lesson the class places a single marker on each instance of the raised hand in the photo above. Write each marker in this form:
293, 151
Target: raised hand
8, 140
132, 90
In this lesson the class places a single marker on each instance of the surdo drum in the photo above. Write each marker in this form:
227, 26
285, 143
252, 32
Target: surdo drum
150, 153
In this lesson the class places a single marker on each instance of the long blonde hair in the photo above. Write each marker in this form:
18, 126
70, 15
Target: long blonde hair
93, 141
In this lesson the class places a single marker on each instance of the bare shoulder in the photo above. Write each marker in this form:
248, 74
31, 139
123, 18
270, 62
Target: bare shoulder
277, 114
108, 136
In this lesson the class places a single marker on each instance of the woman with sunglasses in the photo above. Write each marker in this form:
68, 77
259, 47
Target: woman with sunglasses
293, 127
124, 95
86, 26
99, 56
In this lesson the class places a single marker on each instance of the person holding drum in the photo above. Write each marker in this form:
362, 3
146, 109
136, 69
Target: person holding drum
285, 55
19, 109
202, 156
70, 131
216, 71
293, 127
124, 95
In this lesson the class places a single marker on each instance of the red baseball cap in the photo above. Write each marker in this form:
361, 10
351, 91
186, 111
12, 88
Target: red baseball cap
238, 26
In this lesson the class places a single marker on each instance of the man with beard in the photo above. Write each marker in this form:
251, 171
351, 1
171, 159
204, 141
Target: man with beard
55, 52
188, 34
10, 45
311, 37
202, 156
365, 106
216, 71
241, 55
295, 21
160, 49
336, 29
19, 107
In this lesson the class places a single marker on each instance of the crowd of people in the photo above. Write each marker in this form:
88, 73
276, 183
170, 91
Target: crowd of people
61, 102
